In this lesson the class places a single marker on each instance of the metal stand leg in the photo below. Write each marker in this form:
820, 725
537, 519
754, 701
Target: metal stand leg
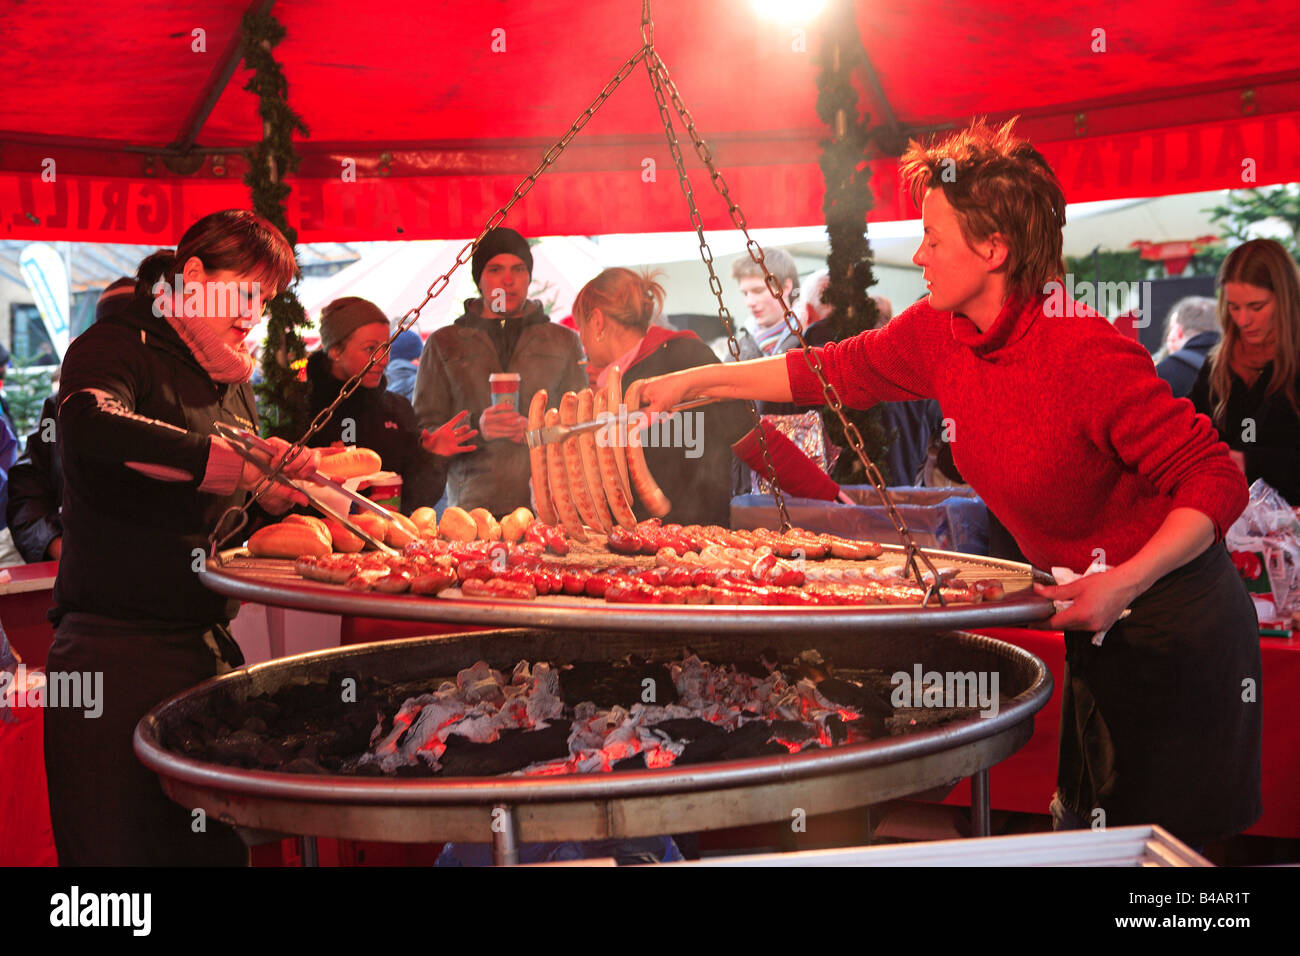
505, 840
980, 824
309, 855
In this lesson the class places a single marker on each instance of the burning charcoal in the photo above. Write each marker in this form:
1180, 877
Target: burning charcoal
477, 672
751, 740
486, 689
513, 751
795, 731
689, 728
634, 762
610, 685
754, 669
835, 726
854, 696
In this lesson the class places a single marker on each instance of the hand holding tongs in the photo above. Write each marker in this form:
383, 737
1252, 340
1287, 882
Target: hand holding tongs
252, 448
551, 434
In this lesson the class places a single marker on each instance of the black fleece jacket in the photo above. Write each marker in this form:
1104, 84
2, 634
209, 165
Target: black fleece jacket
384, 422
131, 391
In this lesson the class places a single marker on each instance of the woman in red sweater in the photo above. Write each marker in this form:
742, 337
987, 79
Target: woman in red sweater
1062, 426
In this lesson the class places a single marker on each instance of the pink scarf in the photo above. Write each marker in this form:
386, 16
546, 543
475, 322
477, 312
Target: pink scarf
225, 364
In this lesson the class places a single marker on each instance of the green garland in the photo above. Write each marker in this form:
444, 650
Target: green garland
848, 199
282, 398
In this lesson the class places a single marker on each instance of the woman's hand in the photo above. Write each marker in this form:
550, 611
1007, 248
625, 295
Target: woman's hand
662, 392
303, 465
448, 439
1099, 600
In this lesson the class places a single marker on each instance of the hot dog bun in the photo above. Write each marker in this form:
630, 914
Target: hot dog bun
515, 524
343, 540
342, 464
457, 525
489, 529
287, 540
311, 521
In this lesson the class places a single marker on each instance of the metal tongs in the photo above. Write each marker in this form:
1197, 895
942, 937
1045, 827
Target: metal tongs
551, 434
254, 449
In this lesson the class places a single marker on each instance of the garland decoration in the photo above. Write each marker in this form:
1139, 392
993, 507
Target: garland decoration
282, 398
847, 200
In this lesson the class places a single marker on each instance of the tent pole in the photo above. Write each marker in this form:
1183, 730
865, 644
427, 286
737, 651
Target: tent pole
216, 85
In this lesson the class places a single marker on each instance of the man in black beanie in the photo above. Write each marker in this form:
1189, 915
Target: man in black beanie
501, 331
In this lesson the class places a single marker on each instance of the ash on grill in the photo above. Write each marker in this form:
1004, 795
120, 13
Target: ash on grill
630, 715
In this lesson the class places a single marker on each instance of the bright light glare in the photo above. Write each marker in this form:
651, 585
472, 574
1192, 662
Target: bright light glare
789, 11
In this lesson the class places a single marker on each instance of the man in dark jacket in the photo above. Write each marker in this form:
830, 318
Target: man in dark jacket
501, 331
1191, 330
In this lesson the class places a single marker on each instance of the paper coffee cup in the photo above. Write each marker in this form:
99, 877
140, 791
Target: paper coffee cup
505, 388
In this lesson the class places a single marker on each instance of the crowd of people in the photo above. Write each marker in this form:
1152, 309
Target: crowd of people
1106, 454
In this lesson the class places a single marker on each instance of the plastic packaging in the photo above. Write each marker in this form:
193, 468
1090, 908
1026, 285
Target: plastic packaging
1269, 527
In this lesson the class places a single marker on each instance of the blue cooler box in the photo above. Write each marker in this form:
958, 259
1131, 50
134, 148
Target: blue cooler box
951, 519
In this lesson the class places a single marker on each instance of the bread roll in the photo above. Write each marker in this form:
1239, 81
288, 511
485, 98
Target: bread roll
424, 517
311, 521
349, 463
344, 540
371, 524
515, 524
401, 531
287, 540
457, 525
489, 529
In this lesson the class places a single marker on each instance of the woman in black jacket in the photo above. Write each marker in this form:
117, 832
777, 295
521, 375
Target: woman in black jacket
692, 463
352, 329
145, 482
1250, 387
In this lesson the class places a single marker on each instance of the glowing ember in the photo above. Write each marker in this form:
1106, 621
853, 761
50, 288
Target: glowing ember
483, 702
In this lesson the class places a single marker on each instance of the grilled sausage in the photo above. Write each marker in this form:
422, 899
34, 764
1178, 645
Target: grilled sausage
590, 469
561, 496
537, 461
656, 501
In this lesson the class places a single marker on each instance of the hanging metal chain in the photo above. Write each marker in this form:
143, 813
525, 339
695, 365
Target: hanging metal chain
217, 539
661, 81
724, 314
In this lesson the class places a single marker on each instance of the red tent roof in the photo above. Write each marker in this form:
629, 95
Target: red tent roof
1134, 98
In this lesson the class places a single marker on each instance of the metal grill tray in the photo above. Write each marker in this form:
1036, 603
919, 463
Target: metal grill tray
274, 582
598, 806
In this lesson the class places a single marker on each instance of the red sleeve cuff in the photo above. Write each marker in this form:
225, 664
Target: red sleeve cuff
805, 389
1221, 501
224, 469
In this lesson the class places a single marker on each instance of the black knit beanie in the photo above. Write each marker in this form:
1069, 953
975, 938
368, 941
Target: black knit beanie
500, 241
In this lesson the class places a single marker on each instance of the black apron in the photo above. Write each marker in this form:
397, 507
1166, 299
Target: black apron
1161, 723
106, 807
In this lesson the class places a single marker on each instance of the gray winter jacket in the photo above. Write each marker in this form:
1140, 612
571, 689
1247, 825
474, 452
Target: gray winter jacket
453, 376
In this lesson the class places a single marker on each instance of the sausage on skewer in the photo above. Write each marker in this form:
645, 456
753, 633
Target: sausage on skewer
656, 501
617, 493
537, 461
561, 497
590, 468
573, 468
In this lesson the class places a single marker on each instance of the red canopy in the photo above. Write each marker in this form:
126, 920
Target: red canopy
445, 106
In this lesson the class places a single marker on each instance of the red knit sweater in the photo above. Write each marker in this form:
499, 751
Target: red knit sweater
1060, 424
